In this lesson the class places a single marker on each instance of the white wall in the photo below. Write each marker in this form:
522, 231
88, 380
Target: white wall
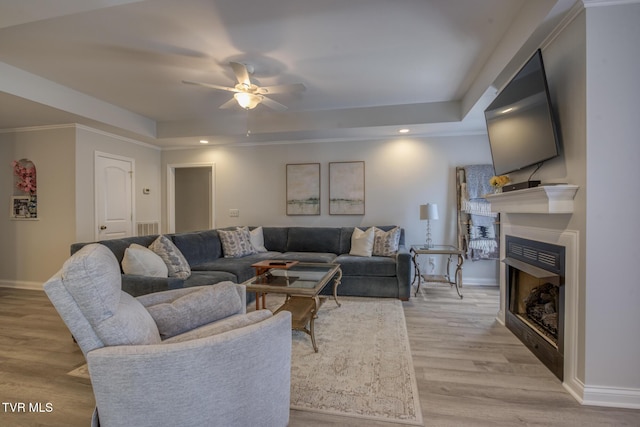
613, 156
32, 251
146, 175
401, 174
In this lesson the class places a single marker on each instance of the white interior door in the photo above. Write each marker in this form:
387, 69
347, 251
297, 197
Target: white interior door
114, 196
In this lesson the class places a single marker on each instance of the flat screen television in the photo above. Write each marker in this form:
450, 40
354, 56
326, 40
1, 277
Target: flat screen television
520, 121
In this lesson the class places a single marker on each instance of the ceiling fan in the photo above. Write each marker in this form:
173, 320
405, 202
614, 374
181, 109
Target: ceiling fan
249, 95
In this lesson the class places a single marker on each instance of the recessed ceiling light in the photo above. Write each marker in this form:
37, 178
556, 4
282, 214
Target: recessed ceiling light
404, 131
204, 141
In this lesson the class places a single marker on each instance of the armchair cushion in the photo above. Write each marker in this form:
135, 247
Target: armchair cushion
205, 305
130, 325
228, 324
92, 278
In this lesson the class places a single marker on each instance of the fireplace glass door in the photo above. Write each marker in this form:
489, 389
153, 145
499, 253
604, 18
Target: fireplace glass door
537, 303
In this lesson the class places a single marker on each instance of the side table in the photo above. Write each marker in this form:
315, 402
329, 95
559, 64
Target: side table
449, 250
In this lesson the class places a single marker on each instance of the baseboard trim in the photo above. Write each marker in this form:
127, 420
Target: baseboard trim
479, 281
628, 398
32, 286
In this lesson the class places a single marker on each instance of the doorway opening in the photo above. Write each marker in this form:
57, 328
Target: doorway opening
190, 197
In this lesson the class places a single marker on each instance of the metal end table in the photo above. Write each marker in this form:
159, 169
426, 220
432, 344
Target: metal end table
449, 250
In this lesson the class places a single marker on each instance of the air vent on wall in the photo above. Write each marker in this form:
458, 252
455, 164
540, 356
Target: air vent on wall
147, 228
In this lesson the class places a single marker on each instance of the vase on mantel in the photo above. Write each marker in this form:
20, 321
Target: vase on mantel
497, 190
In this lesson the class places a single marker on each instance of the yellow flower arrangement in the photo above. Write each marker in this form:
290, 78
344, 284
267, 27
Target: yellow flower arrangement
499, 181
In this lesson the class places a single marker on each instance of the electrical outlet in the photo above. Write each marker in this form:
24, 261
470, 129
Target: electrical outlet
432, 264
234, 213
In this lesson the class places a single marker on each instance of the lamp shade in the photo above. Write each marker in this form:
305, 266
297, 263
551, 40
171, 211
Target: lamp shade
429, 211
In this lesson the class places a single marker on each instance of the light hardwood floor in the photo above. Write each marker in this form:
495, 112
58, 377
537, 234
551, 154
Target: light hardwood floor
471, 371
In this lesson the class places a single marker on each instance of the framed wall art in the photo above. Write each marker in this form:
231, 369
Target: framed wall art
19, 207
346, 188
303, 189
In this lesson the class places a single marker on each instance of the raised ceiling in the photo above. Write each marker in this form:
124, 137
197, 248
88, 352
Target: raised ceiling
370, 67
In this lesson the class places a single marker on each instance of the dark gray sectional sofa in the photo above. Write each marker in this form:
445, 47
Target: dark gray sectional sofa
373, 276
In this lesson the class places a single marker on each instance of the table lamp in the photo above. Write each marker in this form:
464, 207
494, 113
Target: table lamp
429, 212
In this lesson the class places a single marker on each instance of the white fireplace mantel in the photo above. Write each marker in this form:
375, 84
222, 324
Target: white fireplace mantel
545, 199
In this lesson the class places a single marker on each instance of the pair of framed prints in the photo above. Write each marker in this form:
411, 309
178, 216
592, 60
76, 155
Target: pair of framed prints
346, 188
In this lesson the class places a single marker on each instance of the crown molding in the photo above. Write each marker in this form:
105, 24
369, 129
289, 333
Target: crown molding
597, 3
83, 127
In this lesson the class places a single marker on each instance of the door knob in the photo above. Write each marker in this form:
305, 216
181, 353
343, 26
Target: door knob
103, 227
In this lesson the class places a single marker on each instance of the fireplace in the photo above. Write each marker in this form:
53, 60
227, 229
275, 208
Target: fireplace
535, 298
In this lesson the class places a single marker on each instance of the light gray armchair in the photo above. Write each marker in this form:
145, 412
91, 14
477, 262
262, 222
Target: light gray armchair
188, 357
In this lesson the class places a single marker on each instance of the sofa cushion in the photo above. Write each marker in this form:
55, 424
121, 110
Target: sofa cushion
171, 255
199, 247
236, 243
386, 243
372, 266
362, 242
275, 238
313, 239
118, 246
205, 305
141, 261
202, 278
307, 256
92, 277
239, 267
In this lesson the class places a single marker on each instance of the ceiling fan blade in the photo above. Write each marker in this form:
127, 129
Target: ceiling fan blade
240, 70
288, 88
211, 86
273, 104
229, 104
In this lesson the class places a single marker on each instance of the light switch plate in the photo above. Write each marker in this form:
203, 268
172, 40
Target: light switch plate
234, 212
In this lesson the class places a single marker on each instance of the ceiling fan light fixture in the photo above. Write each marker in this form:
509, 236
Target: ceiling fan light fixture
248, 101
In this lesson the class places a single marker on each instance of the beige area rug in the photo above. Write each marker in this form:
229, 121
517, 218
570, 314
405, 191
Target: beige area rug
363, 368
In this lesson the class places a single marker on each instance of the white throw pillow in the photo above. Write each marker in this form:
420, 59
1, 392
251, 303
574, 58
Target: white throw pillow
142, 261
362, 242
257, 238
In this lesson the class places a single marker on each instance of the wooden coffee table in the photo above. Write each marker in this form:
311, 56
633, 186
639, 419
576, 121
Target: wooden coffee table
302, 284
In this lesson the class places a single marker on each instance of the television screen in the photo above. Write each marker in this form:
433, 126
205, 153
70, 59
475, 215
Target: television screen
520, 122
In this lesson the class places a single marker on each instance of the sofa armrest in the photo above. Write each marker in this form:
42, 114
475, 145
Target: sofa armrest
403, 272
141, 285
207, 381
